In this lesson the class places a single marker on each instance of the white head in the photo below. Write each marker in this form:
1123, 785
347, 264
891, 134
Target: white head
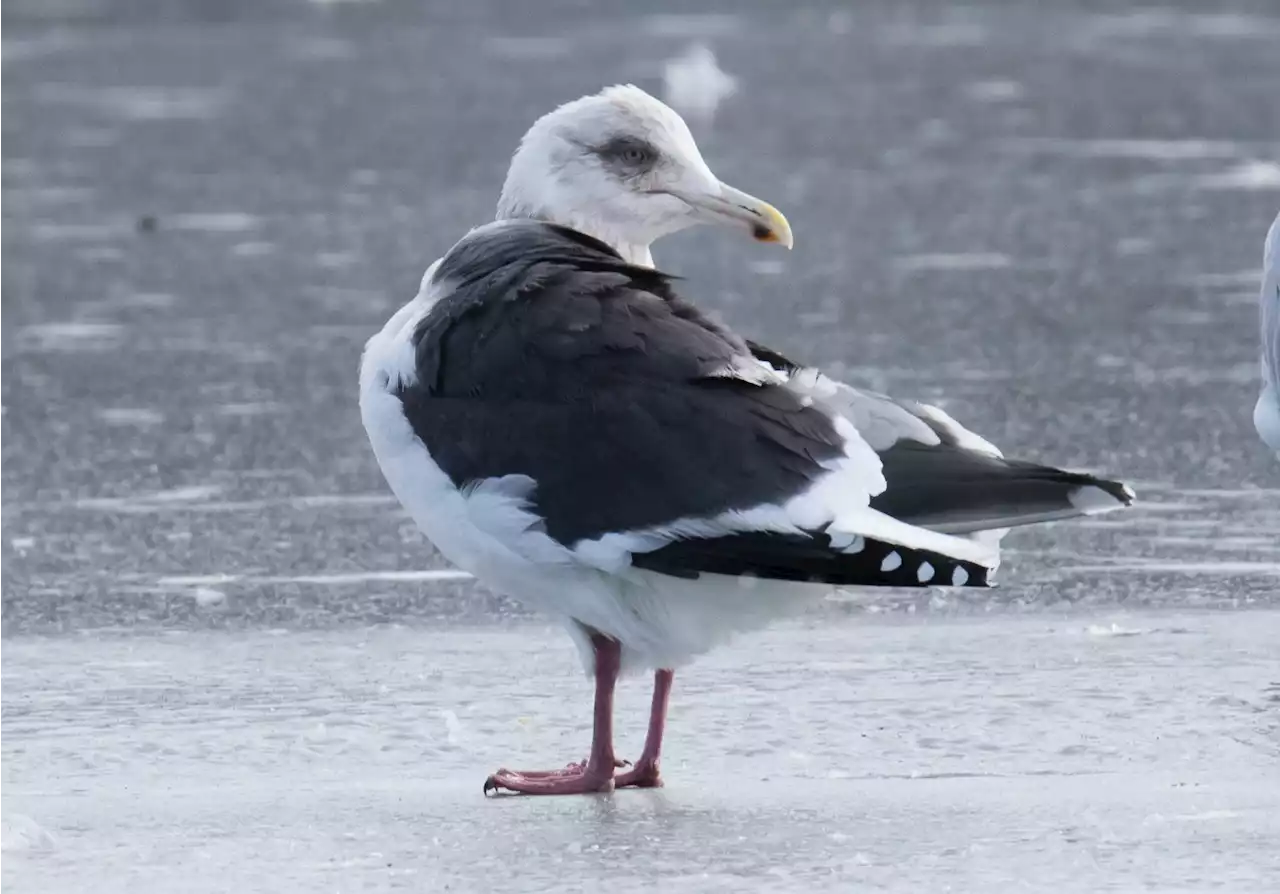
1266, 413
623, 167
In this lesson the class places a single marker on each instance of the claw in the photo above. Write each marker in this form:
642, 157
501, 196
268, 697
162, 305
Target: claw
549, 782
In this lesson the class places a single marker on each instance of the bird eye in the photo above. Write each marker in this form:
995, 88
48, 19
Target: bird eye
628, 154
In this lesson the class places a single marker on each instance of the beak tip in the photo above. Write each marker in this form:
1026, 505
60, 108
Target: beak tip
774, 236
778, 229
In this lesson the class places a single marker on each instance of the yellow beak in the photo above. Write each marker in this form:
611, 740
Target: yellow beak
737, 208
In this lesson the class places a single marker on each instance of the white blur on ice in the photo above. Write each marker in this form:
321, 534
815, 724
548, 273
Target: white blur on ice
695, 85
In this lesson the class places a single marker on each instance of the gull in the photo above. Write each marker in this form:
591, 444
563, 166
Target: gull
562, 422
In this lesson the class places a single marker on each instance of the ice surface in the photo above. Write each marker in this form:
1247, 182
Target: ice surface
1005, 754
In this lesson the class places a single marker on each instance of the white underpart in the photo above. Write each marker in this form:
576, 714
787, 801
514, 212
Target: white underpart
1266, 417
1266, 412
661, 621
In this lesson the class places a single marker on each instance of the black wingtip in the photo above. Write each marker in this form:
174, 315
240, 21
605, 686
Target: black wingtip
1116, 490
880, 564
839, 559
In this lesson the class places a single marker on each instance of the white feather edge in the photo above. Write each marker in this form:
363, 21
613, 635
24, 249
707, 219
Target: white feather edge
612, 552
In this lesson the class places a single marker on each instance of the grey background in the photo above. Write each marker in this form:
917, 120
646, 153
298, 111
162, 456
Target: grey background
210, 661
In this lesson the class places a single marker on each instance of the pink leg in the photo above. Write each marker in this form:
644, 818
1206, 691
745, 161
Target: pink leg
645, 773
596, 774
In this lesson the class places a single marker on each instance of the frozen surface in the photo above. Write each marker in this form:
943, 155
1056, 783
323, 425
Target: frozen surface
230, 662
1125, 752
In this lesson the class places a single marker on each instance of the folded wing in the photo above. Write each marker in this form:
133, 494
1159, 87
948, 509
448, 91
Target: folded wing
649, 435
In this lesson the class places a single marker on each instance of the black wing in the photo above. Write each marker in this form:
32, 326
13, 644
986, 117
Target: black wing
631, 411
555, 359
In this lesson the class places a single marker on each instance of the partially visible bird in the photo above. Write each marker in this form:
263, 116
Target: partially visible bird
562, 423
1266, 412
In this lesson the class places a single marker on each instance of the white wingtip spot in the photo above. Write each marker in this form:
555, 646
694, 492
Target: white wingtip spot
959, 577
892, 562
924, 573
847, 542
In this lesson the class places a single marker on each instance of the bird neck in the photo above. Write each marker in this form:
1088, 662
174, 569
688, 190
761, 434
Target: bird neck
632, 252
638, 255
